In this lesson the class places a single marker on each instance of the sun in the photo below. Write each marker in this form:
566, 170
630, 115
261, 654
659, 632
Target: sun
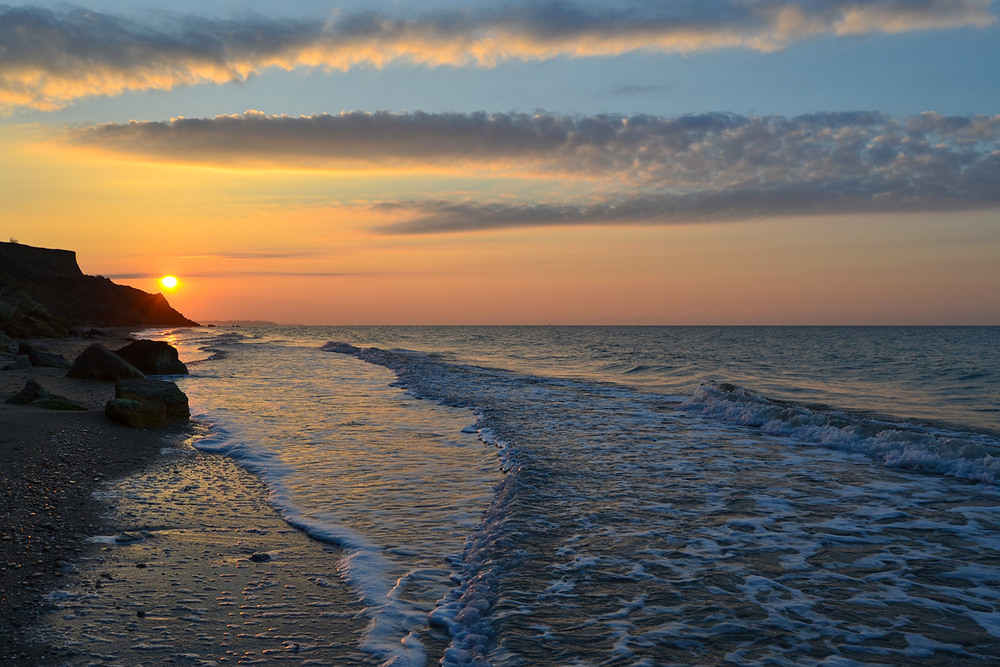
169, 282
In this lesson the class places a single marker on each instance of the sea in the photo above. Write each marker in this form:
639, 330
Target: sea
627, 495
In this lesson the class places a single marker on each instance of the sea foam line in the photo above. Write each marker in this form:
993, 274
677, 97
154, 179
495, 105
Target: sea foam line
363, 565
966, 455
463, 612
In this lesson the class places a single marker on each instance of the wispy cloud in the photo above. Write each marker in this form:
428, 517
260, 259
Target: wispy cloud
240, 274
52, 57
643, 169
626, 89
253, 254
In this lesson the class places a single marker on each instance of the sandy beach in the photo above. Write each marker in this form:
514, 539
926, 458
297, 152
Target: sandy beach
53, 461
123, 546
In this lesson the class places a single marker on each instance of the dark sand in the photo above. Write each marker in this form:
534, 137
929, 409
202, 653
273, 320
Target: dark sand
52, 462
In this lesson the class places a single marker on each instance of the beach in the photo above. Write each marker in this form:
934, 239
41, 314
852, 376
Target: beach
53, 461
165, 552
492, 496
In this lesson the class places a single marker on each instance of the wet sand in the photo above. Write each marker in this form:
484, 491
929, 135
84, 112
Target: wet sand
127, 547
199, 570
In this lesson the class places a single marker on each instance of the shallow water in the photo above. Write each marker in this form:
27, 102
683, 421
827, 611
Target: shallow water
606, 496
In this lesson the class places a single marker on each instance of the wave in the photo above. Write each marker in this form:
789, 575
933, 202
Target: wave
463, 611
897, 444
362, 565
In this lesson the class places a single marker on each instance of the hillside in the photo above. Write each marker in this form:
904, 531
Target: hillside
43, 292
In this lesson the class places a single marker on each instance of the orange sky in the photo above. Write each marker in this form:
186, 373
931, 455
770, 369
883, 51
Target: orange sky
742, 182
243, 252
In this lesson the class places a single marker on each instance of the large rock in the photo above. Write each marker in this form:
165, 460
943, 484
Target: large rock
22, 362
99, 363
137, 414
32, 391
36, 395
153, 357
41, 358
173, 399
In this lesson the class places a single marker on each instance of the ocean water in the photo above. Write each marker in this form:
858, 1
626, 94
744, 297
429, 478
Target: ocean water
629, 496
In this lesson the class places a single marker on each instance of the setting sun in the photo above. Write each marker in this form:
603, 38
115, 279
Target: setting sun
169, 282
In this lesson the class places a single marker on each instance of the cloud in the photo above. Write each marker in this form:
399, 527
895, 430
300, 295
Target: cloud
240, 274
52, 57
640, 169
254, 254
633, 89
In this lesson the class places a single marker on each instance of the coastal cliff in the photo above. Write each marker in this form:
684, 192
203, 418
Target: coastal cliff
43, 292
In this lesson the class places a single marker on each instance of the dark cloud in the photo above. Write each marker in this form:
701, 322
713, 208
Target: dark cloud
741, 204
52, 57
645, 169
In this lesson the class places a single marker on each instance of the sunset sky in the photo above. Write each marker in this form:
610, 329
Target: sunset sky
575, 162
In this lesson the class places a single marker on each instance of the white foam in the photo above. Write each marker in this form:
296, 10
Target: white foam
972, 456
363, 565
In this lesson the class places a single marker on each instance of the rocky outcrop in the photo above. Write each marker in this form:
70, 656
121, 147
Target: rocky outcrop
43, 292
153, 357
175, 402
99, 363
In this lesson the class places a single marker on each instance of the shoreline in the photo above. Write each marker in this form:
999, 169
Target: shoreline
133, 547
53, 463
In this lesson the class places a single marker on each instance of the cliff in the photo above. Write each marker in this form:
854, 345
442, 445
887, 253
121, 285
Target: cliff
43, 292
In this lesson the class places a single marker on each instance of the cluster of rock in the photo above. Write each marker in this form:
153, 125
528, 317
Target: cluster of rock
139, 402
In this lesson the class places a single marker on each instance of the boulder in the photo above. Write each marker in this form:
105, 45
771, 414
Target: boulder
56, 402
156, 391
32, 391
99, 363
36, 395
137, 414
21, 362
43, 359
153, 357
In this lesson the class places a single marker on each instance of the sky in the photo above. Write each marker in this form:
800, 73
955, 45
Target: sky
567, 162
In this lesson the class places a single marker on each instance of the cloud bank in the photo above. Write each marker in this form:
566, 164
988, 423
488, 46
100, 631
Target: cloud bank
642, 169
52, 57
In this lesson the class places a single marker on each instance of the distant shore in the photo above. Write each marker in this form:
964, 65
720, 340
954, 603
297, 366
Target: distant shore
53, 461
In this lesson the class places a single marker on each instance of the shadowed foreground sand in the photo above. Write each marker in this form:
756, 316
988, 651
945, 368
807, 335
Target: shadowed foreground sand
52, 462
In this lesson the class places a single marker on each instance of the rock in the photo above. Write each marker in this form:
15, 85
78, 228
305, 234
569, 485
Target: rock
99, 363
260, 557
36, 395
153, 357
173, 399
137, 414
90, 333
32, 391
43, 359
21, 362
56, 402
43, 292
